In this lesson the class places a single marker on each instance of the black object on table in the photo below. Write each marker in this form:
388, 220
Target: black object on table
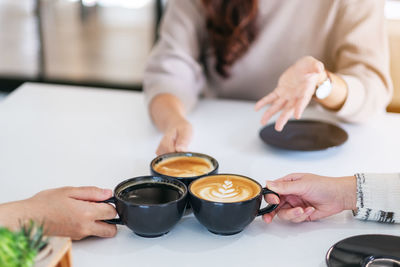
304, 135
365, 250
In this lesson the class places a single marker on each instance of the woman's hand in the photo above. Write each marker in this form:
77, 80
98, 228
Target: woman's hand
295, 89
309, 197
168, 114
66, 211
176, 137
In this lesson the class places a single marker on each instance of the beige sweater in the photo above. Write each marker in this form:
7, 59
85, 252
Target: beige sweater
348, 36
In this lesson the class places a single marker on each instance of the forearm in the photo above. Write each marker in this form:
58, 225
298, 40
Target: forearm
338, 96
348, 190
359, 56
166, 110
12, 214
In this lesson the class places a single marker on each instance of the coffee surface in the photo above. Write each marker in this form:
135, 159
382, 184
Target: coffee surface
184, 166
225, 188
150, 193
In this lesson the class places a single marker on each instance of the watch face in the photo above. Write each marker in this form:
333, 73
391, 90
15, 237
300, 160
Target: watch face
324, 90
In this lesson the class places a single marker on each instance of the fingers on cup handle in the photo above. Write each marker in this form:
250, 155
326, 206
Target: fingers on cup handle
269, 217
104, 211
103, 229
295, 215
89, 193
272, 199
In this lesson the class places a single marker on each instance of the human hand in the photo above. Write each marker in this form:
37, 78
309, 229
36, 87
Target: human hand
294, 91
176, 137
72, 211
309, 197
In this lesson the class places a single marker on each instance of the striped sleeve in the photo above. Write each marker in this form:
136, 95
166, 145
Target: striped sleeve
378, 197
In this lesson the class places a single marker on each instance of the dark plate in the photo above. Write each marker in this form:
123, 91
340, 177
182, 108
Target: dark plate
304, 135
365, 250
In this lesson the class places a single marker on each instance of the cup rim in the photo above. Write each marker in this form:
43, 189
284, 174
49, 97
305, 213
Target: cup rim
187, 154
226, 203
152, 177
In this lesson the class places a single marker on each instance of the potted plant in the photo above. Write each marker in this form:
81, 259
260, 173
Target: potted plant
29, 247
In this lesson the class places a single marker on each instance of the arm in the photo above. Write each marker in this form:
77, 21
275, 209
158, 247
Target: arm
309, 197
67, 211
359, 49
336, 99
295, 89
360, 73
174, 77
13, 212
168, 114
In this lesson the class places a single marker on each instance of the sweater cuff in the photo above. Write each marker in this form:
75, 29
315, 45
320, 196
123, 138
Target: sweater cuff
173, 88
378, 197
355, 98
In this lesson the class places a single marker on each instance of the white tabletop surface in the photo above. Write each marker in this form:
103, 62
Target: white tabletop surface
52, 136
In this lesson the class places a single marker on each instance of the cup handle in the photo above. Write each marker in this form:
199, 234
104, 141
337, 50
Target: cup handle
269, 208
112, 221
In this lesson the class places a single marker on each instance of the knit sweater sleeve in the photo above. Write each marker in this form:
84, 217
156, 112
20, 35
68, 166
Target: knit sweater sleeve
378, 197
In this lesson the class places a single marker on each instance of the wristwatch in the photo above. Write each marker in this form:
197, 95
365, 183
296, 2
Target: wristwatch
324, 89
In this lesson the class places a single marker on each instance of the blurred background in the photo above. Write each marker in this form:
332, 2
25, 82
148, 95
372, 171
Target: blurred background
102, 43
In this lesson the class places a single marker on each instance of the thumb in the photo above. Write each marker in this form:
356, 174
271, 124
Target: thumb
319, 67
89, 193
296, 187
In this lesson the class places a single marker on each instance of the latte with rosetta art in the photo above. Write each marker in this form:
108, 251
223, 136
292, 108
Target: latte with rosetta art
225, 188
184, 166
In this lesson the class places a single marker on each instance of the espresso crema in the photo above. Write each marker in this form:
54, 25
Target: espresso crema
184, 166
225, 188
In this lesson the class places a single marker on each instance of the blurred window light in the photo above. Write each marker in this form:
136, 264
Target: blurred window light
392, 9
89, 2
135, 4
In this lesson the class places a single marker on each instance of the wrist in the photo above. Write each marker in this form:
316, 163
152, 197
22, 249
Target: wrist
338, 94
167, 111
349, 192
14, 213
174, 122
322, 77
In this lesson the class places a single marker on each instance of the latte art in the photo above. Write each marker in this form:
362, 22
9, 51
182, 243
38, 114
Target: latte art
226, 191
225, 188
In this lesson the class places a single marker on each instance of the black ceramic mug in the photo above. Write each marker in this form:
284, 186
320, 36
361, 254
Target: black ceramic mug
226, 203
184, 166
149, 205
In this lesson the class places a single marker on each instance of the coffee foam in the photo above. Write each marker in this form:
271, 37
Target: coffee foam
225, 188
184, 166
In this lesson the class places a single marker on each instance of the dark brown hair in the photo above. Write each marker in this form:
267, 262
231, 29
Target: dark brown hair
231, 26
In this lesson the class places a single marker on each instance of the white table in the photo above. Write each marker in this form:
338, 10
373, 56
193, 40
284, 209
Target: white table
52, 136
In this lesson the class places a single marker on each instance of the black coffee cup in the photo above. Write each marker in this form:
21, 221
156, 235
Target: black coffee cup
187, 180
227, 218
149, 205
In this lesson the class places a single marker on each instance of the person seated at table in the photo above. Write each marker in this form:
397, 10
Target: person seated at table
309, 197
277, 52
66, 211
